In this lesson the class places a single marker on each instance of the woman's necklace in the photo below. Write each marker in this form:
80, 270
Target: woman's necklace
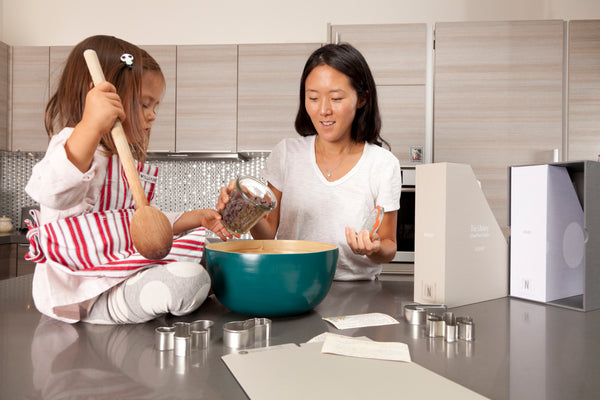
329, 172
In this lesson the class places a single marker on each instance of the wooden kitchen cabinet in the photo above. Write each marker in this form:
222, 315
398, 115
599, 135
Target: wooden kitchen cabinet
584, 90
397, 57
396, 53
402, 111
30, 79
206, 98
58, 59
4, 68
498, 99
268, 92
162, 136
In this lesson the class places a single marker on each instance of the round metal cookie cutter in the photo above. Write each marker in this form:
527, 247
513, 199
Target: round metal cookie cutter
416, 314
164, 338
466, 328
200, 333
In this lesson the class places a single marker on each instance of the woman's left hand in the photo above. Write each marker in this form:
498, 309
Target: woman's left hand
361, 244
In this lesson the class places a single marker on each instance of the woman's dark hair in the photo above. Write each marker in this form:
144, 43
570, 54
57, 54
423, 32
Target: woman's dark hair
65, 107
350, 62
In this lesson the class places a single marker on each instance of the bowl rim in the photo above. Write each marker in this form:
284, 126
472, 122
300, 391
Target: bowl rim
292, 246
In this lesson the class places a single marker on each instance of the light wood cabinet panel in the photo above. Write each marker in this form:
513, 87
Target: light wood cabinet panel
4, 64
58, 59
498, 99
268, 93
402, 111
206, 98
396, 53
584, 90
162, 136
30, 77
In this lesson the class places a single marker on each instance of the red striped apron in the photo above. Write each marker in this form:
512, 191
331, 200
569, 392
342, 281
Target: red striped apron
99, 243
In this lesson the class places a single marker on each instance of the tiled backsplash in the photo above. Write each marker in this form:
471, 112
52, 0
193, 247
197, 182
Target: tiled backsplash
183, 185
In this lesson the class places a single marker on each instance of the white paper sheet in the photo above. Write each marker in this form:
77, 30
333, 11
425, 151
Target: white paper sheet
360, 320
303, 372
349, 346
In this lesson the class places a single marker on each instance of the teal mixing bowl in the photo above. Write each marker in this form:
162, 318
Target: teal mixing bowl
271, 278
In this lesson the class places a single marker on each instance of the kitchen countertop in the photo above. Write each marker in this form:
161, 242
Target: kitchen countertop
522, 349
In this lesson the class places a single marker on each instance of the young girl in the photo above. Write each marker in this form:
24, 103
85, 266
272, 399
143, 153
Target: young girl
87, 268
329, 179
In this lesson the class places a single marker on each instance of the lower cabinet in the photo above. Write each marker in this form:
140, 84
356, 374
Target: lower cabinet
24, 267
12, 261
7, 262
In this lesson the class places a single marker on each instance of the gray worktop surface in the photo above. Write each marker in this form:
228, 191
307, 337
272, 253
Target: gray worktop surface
522, 350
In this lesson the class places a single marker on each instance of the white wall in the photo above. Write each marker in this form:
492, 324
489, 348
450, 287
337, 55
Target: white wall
65, 22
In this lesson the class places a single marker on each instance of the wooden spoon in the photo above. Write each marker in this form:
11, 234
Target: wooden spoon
151, 231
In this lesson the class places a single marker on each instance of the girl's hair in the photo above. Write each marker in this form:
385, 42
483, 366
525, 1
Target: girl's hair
65, 108
350, 62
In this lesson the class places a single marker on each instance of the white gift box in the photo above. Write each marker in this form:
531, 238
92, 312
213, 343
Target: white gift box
555, 244
547, 235
461, 254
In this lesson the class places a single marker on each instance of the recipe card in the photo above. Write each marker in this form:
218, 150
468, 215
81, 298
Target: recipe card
360, 320
354, 347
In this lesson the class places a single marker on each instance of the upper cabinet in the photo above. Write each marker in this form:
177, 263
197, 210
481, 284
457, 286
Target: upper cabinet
58, 60
162, 136
269, 92
584, 90
396, 54
498, 99
397, 57
206, 98
30, 80
403, 111
4, 65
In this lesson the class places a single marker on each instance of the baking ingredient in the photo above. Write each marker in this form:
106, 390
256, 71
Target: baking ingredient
244, 210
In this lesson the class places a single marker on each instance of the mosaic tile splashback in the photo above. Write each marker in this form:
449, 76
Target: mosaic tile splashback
183, 185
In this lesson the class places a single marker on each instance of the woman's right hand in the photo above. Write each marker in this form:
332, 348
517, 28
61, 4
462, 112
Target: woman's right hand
225, 195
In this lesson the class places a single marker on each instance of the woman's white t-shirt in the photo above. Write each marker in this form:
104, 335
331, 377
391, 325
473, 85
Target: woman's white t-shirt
312, 208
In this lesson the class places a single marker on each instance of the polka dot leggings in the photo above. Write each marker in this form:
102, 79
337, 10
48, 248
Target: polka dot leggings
177, 288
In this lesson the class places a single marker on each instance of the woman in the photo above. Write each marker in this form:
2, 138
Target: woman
329, 179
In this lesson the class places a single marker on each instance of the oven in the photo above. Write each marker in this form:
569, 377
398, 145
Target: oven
405, 228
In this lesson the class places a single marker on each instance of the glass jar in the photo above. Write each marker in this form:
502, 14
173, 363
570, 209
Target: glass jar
249, 201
